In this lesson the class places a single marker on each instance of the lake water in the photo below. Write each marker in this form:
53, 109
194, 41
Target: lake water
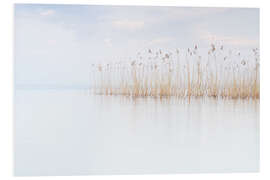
70, 132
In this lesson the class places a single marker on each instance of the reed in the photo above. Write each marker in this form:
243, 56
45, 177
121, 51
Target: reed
181, 74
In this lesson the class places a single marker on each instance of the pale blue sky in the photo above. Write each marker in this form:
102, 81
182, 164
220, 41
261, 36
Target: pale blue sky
55, 45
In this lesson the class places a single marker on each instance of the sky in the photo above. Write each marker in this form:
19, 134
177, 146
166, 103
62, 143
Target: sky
55, 45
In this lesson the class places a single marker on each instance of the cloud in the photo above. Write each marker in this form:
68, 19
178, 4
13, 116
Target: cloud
108, 42
166, 14
161, 40
44, 48
185, 13
128, 24
47, 12
229, 40
238, 41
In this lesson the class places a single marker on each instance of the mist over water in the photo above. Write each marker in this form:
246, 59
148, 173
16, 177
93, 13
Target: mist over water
71, 132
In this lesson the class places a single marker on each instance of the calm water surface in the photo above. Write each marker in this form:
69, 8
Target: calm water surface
70, 132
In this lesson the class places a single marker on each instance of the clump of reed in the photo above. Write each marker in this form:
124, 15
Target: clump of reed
183, 74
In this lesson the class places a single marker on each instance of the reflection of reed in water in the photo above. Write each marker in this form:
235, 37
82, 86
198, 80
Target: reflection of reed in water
224, 74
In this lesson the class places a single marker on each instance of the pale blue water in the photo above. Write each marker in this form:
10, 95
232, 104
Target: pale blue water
69, 132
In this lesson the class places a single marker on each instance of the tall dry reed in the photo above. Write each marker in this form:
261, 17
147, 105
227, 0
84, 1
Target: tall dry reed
182, 74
